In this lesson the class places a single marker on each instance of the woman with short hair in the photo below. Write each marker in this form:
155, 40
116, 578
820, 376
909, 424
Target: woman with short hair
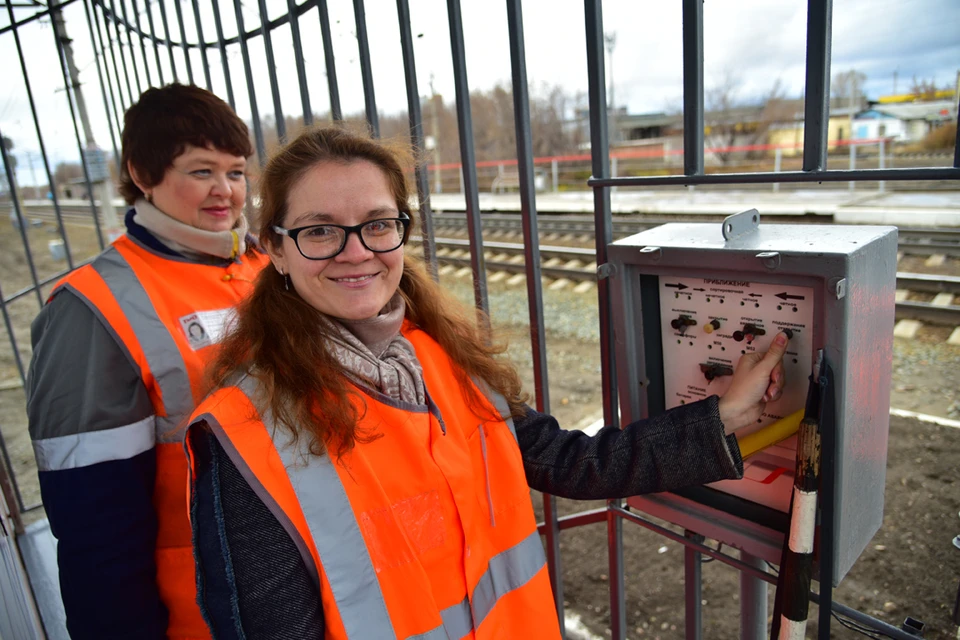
119, 351
363, 466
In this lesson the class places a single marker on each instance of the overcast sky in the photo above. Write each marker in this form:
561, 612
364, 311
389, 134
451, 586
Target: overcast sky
756, 41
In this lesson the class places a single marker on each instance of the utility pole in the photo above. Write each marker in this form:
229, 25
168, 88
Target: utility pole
435, 128
95, 157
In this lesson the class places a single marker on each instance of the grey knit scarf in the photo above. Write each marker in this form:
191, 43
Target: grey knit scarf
374, 353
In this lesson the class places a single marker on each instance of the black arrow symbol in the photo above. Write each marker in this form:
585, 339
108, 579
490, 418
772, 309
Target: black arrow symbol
787, 296
680, 286
755, 295
699, 289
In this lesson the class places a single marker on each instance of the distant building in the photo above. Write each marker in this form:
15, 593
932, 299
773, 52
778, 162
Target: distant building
905, 122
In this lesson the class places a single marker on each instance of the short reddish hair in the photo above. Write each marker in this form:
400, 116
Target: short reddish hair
164, 121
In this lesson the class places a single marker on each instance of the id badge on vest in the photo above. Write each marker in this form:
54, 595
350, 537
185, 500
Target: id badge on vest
204, 328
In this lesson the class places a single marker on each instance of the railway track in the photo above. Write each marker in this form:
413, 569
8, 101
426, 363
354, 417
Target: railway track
578, 265
578, 228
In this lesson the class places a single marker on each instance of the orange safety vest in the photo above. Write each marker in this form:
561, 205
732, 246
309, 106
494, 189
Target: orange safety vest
426, 532
167, 312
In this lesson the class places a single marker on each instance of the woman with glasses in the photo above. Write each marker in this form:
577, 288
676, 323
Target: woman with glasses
362, 468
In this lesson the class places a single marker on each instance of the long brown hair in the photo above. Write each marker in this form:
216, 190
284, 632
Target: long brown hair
279, 339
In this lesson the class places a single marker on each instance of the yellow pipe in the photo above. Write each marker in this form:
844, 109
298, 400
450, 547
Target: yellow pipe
770, 435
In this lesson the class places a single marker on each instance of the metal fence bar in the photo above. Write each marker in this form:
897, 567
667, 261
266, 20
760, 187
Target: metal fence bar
143, 44
599, 152
153, 38
183, 40
766, 177
278, 120
298, 59
956, 142
468, 157
693, 87
114, 19
369, 98
103, 85
133, 51
16, 355
428, 240
21, 223
336, 113
70, 72
816, 108
251, 92
218, 22
531, 252
43, 147
167, 39
202, 44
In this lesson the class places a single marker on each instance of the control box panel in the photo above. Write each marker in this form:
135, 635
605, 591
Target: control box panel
690, 300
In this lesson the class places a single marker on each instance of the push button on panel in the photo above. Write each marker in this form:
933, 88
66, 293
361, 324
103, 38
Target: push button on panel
711, 326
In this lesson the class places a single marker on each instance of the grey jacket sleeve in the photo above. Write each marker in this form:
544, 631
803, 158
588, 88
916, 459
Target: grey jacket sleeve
682, 447
80, 378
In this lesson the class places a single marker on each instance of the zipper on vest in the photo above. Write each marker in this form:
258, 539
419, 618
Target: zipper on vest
486, 472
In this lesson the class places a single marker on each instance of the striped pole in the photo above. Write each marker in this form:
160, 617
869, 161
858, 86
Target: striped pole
797, 566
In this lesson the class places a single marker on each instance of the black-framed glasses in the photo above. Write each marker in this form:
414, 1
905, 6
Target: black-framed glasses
324, 241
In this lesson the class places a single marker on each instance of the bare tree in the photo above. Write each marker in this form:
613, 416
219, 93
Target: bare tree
731, 121
846, 89
923, 89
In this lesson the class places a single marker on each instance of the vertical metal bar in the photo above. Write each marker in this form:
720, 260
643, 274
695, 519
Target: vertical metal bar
123, 58
248, 73
16, 355
369, 98
298, 58
103, 91
816, 109
143, 45
600, 162
531, 251
416, 137
279, 122
133, 53
22, 223
468, 156
956, 143
153, 38
113, 59
693, 588
753, 601
203, 46
693, 87
218, 22
335, 112
167, 38
183, 41
72, 88
43, 148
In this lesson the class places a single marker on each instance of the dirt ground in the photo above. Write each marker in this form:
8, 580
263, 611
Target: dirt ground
909, 568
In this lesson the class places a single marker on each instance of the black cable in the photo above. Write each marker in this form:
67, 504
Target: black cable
706, 559
772, 567
855, 626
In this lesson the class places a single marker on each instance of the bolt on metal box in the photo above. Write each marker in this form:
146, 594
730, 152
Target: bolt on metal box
689, 300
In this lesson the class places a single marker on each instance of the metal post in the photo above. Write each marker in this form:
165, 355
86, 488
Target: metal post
336, 113
183, 40
777, 155
614, 171
369, 98
202, 44
298, 58
100, 76
133, 55
143, 43
278, 120
123, 58
554, 172
416, 137
853, 162
531, 244
154, 39
817, 101
692, 87
603, 225
222, 45
22, 223
693, 588
883, 184
169, 41
251, 91
753, 601
468, 159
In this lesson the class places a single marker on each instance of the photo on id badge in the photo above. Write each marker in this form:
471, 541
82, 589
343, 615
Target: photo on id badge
197, 334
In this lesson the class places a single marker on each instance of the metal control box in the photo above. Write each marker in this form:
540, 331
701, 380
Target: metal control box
690, 299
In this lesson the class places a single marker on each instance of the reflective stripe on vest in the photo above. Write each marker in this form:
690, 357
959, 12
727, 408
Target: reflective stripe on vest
346, 560
162, 354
